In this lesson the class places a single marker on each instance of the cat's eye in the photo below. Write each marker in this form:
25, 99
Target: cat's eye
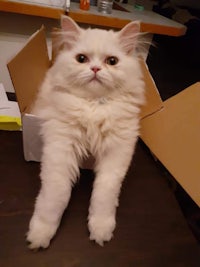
81, 58
112, 60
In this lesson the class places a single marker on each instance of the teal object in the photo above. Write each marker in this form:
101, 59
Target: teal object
139, 7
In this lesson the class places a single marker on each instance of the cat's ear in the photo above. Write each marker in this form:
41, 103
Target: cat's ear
70, 31
128, 36
68, 24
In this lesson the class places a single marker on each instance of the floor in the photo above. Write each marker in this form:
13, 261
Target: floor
152, 229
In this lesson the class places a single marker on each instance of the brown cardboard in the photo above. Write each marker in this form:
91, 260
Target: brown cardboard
28, 68
170, 129
173, 135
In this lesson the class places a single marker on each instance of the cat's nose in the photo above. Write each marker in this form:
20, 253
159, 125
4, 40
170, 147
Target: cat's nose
95, 69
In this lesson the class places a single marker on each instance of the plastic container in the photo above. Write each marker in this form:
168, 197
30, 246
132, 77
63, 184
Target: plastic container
105, 6
85, 4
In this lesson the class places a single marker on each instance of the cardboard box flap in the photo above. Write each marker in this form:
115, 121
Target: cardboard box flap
27, 69
173, 135
153, 99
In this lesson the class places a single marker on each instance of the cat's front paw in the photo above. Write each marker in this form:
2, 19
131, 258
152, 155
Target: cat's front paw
101, 228
40, 234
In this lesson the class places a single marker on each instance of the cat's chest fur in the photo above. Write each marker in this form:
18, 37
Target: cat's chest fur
93, 124
103, 114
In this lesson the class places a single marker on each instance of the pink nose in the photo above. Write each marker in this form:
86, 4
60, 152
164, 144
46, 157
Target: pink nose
95, 69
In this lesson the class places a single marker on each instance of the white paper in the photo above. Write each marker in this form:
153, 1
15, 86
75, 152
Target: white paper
3, 96
8, 108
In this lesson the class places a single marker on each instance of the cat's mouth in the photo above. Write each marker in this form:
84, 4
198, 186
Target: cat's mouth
95, 79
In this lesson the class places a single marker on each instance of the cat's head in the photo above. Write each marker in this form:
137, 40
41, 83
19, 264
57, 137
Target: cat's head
96, 62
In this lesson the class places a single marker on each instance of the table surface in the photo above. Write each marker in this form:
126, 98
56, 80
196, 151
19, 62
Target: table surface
150, 21
151, 230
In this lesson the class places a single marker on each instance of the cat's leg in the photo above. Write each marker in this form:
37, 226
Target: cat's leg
111, 169
59, 170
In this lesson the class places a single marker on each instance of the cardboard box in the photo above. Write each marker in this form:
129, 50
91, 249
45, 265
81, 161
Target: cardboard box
173, 135
170, 128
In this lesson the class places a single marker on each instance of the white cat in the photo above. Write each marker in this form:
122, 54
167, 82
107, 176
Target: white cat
90, 103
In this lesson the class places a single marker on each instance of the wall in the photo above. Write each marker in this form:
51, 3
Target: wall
15, 29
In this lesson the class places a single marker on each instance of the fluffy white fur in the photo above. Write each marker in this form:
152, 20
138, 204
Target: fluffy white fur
87, 112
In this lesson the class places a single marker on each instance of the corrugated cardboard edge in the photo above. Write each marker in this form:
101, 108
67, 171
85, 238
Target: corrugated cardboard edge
173, 135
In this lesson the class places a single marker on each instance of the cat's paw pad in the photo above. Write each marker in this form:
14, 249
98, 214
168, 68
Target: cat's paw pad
40, 234
101, 229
